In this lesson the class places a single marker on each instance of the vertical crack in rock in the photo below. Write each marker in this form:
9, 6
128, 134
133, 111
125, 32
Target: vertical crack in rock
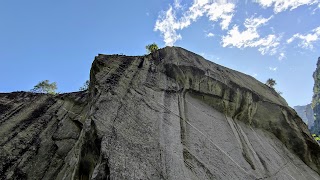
181, 105
90, 152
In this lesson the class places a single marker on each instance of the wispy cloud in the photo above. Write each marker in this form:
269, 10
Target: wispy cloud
168, 26
315, 9
282, 56
307, 40
177, 4
251, 38
168, 23
250, 34
210, 35
273, 68
223, 11
282, 5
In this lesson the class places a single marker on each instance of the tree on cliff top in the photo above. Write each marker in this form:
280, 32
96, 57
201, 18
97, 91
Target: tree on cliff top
271, 82
45, 87
85, 86
152, 48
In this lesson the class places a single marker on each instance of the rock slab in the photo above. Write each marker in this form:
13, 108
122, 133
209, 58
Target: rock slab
167, 115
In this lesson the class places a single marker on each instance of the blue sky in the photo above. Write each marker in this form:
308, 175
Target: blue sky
57, 40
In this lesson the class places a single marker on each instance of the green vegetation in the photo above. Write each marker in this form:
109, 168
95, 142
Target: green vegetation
85, 86
316, 137
152, 48
271, 82
45, 87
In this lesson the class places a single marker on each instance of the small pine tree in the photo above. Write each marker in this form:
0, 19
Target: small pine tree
271, 82
152, 48
85, 86
45, 87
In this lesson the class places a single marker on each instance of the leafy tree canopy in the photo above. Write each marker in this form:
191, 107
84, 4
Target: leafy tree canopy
152, 48
271, 82
45, 87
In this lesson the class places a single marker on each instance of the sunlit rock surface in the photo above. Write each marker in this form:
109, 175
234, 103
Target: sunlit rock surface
316, 99
167, 115
306, 113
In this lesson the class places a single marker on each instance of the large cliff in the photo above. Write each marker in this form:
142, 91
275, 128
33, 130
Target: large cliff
316, 99
306, 113
167, 115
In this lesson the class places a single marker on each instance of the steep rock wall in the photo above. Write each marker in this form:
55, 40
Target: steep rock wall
37, 132
167, 115
316, 99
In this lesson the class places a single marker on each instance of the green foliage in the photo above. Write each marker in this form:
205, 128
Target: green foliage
271, 82
316, 137
45, 87
85, 86
152, 48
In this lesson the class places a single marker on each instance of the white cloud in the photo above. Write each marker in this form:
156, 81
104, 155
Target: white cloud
315, 10
223, 11
239, 39
273, 68
282, 56
307, 40
177, 4
291, 39
251, 38
168, 24
267, 45
282, 5
210, 35
256, 22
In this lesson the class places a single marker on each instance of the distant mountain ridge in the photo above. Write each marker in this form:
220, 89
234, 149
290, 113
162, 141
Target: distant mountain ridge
306, 114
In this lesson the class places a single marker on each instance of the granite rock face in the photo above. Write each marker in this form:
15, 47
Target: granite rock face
306, 114
167, 115
38, 133
316, 99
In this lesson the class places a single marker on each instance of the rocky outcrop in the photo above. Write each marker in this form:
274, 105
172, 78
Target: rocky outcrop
316, 99
306, 114
167, 115
38, 132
